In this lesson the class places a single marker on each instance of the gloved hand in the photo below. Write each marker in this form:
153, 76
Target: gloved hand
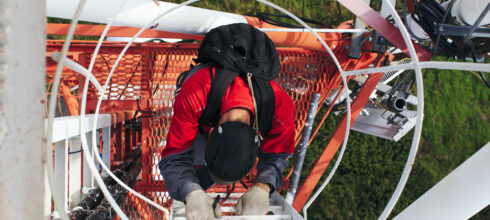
199, 206
254, 202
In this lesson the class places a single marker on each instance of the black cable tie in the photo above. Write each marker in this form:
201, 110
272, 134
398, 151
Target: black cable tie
74, 152
216, 201
243, 184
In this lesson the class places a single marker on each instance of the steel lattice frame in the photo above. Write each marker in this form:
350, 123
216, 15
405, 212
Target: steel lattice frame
157, 67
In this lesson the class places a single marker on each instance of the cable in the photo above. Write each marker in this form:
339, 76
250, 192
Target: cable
195, 1
330, 175
107, 82
481, 45
473, 56
406, 23
243, 184
484, 79
51, 112
443, 22
480, 76
89, 155
129, 80
124, 50
468, 35
428, 14
84, 141
334, 59
418, 121
266, 17
95, 119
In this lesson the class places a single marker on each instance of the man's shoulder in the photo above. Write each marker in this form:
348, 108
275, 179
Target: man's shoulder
282, 95
199, 79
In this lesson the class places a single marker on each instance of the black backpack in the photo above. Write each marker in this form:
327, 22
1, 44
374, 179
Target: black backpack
235, 50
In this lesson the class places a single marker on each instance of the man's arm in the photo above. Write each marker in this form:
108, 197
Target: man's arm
269, 169
277, 148
278, 144
179, 173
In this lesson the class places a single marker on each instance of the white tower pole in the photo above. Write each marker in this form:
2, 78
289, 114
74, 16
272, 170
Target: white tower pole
22, 88
461, 194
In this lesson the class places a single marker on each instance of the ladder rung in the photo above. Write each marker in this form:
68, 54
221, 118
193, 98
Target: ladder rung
249, 217
233, 209
232, 195
278, 206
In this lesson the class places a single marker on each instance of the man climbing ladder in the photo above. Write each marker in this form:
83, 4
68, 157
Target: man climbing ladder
229, 111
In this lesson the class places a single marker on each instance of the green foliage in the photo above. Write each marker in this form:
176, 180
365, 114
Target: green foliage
364, 180
455, 126
67, 21
319, 10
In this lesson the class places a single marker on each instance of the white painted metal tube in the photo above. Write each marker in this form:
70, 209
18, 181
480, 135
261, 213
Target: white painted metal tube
85, 88
93, 137
420, 113
460, 195
344, 81
160, 16
314, 29
426, 64
69, 126
98, 178
303, 146
89, 155
51, 109
456, 66
192, 20
77, 68
139, 12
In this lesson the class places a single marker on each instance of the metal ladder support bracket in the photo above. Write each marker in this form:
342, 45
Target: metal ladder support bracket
278, 207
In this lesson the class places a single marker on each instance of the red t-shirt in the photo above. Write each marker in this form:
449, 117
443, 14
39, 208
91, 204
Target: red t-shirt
191, 100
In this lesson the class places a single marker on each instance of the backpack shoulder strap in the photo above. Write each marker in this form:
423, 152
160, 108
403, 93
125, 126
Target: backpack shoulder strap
187, 74
264, 96
222, 80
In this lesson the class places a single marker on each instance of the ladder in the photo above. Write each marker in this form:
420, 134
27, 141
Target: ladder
280, 209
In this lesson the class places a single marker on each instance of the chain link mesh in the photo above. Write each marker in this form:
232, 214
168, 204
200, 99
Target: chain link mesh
147, 73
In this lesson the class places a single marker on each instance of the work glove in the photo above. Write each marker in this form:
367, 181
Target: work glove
254, 202
199, 206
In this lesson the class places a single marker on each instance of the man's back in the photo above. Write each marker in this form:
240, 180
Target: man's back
191, 101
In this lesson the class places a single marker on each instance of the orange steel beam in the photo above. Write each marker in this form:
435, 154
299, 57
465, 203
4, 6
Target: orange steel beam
115, 105
70, 100
290, 39
298, 39
333, 145
115, 31
145, 151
